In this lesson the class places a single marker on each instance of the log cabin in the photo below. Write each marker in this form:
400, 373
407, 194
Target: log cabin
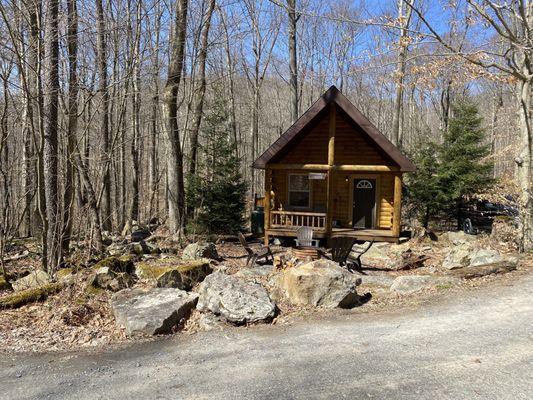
334, 171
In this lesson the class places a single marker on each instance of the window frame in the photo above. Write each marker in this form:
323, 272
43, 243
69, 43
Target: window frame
289, 190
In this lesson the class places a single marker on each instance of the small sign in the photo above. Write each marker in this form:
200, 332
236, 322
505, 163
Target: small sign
317, 175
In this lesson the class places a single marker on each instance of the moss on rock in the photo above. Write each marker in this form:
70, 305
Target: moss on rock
116, 264
4, 284
22, 297
183, 275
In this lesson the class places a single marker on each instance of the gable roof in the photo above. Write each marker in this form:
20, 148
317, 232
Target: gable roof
310, 117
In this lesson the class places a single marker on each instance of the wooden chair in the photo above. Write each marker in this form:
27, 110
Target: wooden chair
354, 256
255, 255
304, 237
340, 249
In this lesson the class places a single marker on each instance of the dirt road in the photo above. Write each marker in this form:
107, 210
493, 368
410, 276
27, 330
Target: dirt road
477, 346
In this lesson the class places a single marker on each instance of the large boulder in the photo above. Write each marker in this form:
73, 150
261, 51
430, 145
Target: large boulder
151, 312
407, 284
234, 300
255, 271
484, 256
186, 275
113, 273
458, 257
377, 255
32, 280
318, 283
182, 275
200, 250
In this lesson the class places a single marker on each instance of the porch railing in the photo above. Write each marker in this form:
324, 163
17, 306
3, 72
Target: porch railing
294, 219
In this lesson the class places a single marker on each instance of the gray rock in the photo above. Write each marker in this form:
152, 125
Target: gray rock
407, 284
209, 322
113, 273
151, 312
106, 278
377, 255
458, 238
458, 257
199, 250
255, 271
185, 276
377, 280
484, 256
235, 300
117, 249
34, 279
318, 283
139, 248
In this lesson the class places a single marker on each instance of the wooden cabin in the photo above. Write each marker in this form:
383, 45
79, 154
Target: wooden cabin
335, 172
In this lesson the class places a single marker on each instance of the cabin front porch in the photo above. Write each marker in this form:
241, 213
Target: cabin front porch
286, 223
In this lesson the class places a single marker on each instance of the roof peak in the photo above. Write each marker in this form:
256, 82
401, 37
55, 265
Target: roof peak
334, 95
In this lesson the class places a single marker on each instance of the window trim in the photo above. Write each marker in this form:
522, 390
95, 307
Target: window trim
308, 206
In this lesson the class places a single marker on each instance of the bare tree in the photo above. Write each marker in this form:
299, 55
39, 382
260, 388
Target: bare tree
50, 154
293, 58
200, 91
404, 19
105, 205
175, 178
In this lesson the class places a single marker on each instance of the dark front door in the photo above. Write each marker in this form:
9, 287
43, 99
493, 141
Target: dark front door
364, 203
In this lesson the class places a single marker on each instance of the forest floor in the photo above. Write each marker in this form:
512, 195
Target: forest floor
76, 318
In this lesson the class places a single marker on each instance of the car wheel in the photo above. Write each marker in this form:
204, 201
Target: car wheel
467, 226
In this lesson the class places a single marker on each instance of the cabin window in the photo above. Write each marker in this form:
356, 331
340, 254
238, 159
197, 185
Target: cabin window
299, 191
364, 184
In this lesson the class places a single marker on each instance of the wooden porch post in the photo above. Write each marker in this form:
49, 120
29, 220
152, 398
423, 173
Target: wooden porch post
268, 188
331, 162
397, 211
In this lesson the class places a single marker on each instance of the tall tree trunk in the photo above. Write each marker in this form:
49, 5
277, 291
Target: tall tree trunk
105, 205
50, 154
524, 166
175, 180
293, 58
153, 179
199, 104
231, 77
400, 71
72, 121
135, 114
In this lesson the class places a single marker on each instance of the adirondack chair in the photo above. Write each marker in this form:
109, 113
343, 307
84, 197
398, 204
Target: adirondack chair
354, 257
254, 255
340, 249
304, 237
343, 252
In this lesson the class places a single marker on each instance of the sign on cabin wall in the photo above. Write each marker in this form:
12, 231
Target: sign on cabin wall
317, 175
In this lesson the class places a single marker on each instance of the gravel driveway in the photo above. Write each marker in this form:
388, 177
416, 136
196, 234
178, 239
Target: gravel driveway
478, 346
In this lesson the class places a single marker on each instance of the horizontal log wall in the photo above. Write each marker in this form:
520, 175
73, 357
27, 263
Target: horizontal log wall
354, 156
342, 206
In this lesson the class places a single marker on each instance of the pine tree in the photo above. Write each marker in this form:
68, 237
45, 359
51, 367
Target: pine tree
217, 190
457, 168
463, 168
424, 191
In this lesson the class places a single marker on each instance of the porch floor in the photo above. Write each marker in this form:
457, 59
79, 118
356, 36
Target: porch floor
378, 235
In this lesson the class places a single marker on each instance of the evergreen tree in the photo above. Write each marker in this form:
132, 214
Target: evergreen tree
463, 168
449, 172
424, 192
217, 191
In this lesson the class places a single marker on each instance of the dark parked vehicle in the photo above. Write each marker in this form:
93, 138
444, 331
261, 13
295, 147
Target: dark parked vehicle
478, 216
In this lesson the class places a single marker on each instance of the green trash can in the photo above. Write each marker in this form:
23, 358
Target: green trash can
258, 221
